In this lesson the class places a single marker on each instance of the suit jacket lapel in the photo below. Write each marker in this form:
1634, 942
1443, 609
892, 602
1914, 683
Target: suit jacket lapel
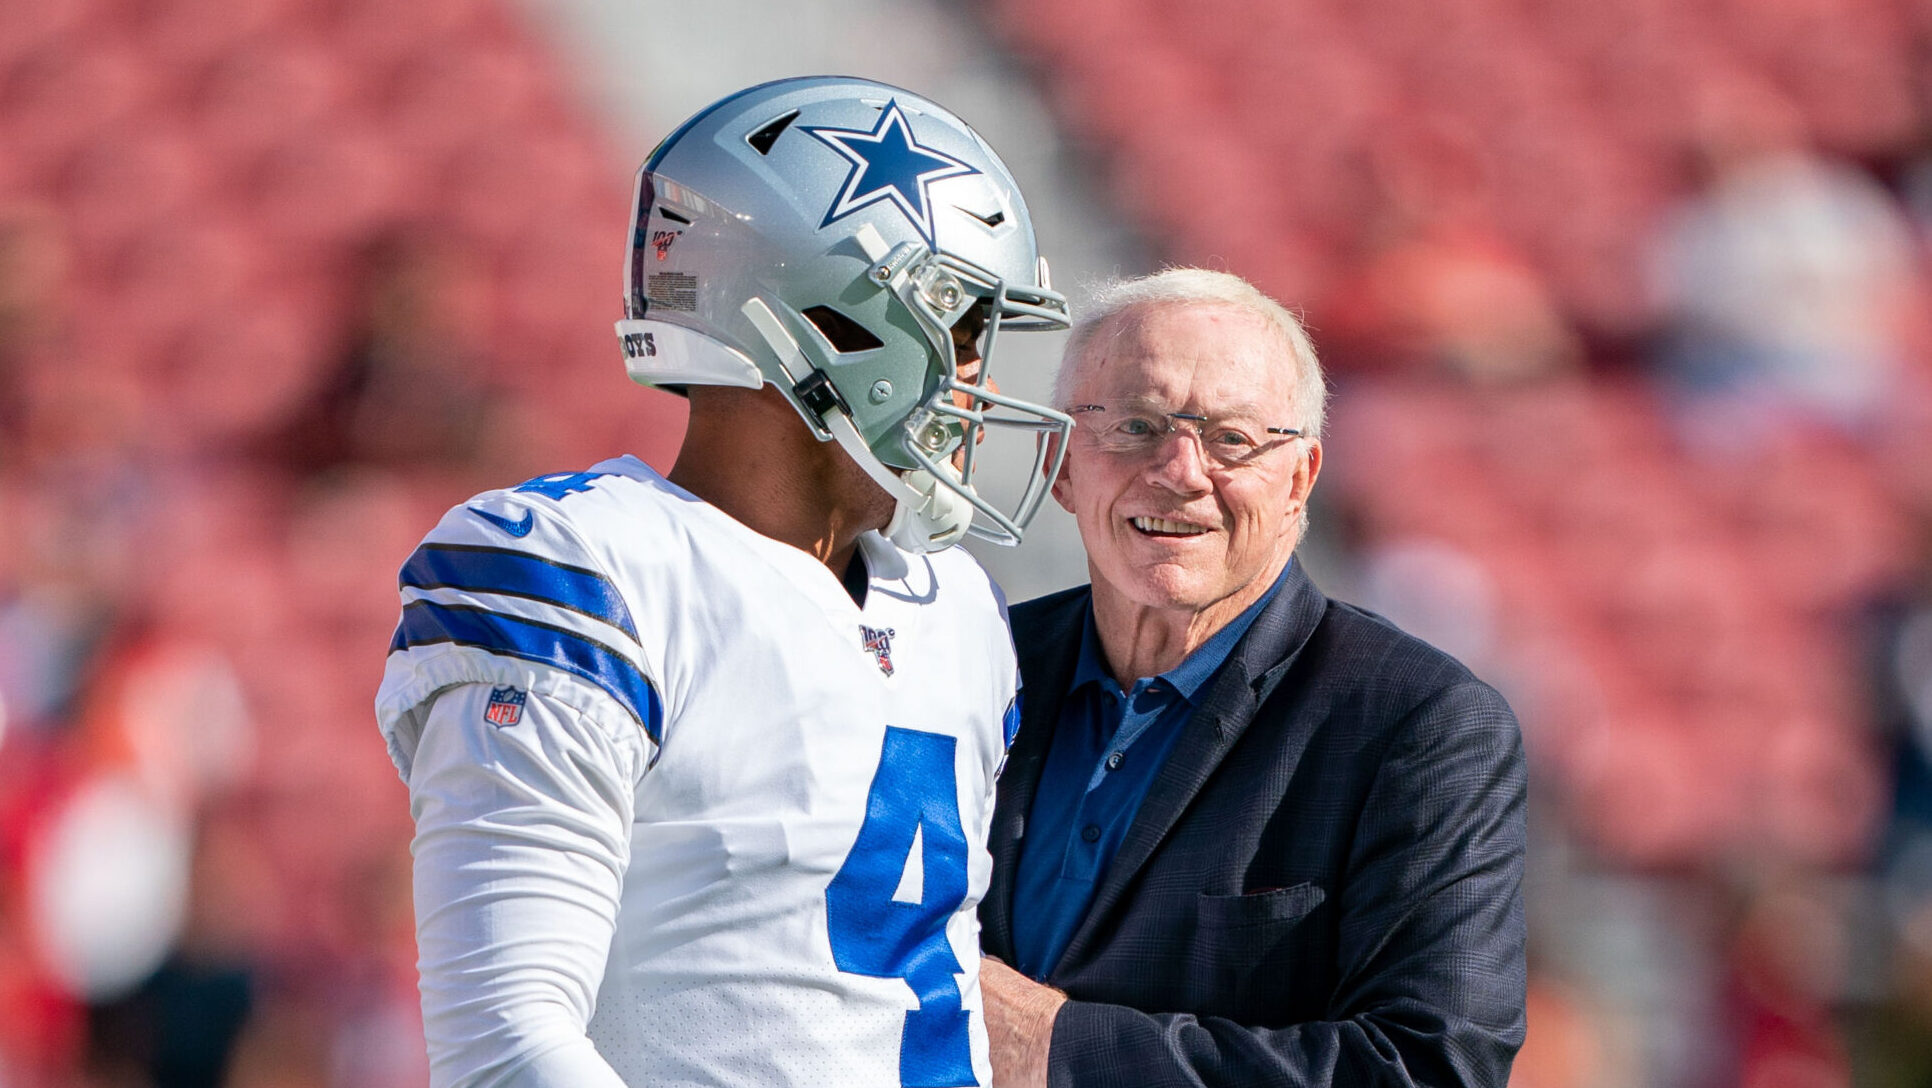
1048, 650
1257, 664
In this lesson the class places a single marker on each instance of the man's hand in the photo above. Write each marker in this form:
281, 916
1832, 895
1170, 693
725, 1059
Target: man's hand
1019, 1024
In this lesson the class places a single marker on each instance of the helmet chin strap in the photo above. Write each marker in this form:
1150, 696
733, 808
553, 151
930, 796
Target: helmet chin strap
927, 515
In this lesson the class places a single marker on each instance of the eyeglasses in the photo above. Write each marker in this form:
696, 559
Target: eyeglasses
1226, 441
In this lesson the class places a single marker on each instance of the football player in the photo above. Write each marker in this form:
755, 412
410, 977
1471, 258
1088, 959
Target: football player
701, 764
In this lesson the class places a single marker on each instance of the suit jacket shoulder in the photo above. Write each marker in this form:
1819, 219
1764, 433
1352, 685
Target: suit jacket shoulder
1377, 671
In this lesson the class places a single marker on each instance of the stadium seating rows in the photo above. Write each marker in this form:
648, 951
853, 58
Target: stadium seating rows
218, 170
1562, 126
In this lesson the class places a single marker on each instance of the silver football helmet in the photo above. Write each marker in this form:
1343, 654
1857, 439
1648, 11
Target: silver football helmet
826, 235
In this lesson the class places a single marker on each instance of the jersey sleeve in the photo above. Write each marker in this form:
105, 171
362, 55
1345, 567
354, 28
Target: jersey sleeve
532, 610
522, 838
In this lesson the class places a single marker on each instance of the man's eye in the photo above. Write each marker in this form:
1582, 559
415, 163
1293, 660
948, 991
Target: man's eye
1137, 428
1233, 440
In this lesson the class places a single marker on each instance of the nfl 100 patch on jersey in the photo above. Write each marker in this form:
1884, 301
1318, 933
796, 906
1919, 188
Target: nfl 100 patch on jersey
879, 644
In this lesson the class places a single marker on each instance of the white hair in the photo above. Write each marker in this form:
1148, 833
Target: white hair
1196, 286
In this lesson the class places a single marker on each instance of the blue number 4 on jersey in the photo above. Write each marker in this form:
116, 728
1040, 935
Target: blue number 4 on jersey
914, 798
556, 485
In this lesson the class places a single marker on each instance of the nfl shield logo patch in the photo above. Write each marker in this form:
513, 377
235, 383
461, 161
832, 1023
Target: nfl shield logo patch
879, 642
506, 706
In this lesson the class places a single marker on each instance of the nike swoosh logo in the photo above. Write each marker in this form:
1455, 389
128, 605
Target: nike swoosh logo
514, 528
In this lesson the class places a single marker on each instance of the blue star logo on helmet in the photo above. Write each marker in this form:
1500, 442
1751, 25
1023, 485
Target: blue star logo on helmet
888, 163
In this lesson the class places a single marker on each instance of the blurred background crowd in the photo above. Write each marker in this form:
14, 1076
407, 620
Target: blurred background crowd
1626, 310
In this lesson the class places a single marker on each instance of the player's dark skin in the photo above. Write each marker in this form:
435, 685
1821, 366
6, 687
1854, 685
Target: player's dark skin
747, 453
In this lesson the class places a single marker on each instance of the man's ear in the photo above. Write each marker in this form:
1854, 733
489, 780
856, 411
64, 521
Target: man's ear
1060, 484
1307, 468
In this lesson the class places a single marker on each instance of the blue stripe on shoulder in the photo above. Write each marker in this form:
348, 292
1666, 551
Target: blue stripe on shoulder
1010, 725
517, 574
425, 623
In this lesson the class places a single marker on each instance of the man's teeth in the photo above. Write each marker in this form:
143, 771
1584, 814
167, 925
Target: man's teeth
1162, 525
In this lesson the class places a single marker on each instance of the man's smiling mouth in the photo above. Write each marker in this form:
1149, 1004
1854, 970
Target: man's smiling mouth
1164, 527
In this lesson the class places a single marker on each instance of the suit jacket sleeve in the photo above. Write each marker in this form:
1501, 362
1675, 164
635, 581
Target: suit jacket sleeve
1431, 950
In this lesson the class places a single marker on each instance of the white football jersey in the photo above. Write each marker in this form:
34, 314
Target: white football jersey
664, 768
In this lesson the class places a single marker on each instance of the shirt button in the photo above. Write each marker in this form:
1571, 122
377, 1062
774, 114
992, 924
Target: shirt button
1091, 832
1114, 761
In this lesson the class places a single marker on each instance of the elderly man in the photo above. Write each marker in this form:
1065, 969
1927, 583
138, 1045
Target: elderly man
1247, 834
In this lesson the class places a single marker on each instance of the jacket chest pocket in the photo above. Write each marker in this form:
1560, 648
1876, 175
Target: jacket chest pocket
1277, 906
1258, 956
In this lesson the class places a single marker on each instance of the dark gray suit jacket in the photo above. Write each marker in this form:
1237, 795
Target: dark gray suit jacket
1324, 885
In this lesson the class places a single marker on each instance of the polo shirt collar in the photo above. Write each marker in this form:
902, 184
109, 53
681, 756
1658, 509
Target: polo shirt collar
1194, 670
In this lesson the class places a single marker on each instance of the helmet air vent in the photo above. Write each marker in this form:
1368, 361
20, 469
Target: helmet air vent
762, 139
843, 333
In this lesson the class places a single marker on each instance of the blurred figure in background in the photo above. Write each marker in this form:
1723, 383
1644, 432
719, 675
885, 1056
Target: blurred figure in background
1440, 294
1787, 974
408, 392
1783, 285
1896, 1043
34, 265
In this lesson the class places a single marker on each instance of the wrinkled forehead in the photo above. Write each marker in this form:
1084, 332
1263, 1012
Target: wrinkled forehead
1214, 358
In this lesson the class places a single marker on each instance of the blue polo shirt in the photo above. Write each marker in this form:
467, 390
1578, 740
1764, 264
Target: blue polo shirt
1106, 752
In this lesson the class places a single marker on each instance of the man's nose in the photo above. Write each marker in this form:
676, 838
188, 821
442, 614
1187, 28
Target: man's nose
1180, 462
